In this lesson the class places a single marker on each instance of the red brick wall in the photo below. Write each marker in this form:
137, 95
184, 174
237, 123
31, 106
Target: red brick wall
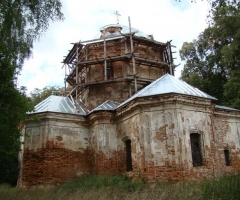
53, 164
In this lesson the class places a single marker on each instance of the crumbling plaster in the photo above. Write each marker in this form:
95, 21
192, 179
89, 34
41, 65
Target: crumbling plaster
159, 128
55, 147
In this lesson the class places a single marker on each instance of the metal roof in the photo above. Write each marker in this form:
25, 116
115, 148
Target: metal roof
165, 84
168, 84
58, 104
118, 35
101, 40
226, 108
125, 30
107, 105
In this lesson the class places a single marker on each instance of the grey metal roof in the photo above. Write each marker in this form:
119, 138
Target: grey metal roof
58, 104
226, 108
168, 84
107, 105
100, 40
114, 36
124, 30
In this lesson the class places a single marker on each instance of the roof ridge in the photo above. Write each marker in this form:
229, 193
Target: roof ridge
168, 84
60, 104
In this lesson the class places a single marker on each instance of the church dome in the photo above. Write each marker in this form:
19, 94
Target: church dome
113, 30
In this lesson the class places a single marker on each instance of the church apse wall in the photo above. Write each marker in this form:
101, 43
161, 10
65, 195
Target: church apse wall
173, 138
128, 134
227, 133
164, 137
106, 154
56, 148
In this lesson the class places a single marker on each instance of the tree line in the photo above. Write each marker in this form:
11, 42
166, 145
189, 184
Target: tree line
212, 61
211, 64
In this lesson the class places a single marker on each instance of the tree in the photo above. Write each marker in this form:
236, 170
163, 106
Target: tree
215, 5
232, 90
21, 23
213, 60
38, 95
13, 107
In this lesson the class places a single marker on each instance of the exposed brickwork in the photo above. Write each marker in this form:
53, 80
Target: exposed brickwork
113, 163
159, 130
53, 165
62, 146
118, 86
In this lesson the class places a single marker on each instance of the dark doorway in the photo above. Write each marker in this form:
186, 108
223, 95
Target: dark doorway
128, 155
227, 157
195, 139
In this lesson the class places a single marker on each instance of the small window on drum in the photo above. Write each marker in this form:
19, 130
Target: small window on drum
195, 139
109, 70
227, 157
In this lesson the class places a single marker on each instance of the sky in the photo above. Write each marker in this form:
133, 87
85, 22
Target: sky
165, 19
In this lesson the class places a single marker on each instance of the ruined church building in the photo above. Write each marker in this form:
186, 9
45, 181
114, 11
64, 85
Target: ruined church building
125, 113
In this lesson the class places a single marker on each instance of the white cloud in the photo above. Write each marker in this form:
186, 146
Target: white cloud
165, 19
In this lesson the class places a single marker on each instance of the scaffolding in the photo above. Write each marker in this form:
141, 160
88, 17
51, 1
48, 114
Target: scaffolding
76, 63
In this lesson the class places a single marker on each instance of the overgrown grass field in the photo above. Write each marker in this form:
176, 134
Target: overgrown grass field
120, 187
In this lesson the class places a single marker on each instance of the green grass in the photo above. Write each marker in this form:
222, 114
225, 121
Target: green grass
119, 187
93, 182
222, 188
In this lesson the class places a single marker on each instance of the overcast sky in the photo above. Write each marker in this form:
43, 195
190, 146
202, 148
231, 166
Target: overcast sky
164, 19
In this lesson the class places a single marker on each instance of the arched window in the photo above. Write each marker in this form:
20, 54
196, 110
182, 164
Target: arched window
227, 157
128, 155
195, 139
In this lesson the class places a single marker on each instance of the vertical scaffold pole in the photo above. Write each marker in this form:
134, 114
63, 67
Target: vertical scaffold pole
65, 79
86, 66
170, 58
77, 70
105, 62
133, 58
128, 69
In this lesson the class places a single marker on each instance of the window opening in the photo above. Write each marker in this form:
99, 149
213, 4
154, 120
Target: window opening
109, 70
83, 75
128, 155
227, 157
195, 139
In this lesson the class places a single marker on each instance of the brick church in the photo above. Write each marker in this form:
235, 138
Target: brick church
124, 112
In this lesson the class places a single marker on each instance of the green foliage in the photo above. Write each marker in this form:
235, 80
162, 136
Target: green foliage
215, 4
38, 95
213, 60
221, 188
232, 89
96, 182
21, 22
202, 69
119, 187
13, 107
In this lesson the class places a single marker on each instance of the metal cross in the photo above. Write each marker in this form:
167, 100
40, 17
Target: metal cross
116, 13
